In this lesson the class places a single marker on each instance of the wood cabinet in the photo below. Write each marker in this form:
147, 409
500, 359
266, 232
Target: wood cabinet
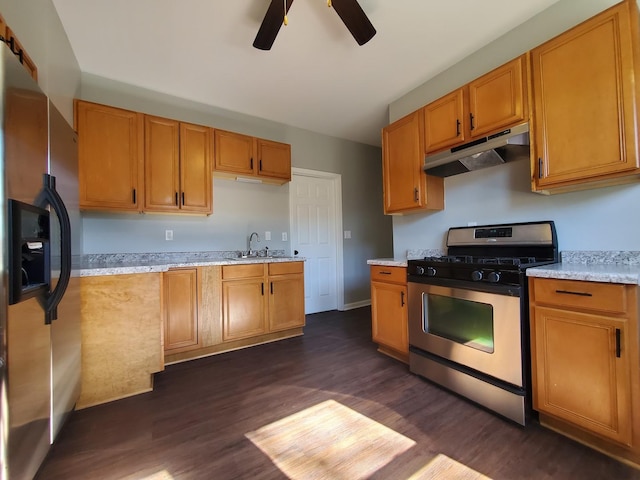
242, 155
180, 310
586, 103
177, 161
261, 298
286, 295
121, 336
584, 348
406, 187
243, 301
110, 157
493, 102
389, 311
16, 47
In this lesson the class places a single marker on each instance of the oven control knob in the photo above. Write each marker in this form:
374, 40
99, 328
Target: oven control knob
420, 270
476, 275
431, 272
494, 277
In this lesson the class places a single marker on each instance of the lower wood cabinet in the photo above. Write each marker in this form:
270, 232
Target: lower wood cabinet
261, 298
180, 310
584, 348
389, 311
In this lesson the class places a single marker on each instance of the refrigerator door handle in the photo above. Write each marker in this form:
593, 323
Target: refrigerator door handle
49, 196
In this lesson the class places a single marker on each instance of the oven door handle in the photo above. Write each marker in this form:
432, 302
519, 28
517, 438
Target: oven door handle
425, 313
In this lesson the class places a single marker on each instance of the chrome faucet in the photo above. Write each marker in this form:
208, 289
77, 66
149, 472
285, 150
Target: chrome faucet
251, 251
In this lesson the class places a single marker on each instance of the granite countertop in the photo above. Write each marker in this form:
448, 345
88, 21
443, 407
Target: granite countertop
128, 263
388, 262
607, 267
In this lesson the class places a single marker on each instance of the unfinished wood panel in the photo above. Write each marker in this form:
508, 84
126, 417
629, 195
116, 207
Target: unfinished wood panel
121, 336
180, 310
210, 305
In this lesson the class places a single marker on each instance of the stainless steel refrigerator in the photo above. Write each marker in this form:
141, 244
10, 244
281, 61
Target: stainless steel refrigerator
39, 295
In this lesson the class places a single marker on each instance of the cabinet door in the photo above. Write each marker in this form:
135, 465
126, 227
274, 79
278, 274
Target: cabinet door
161, 164
444, 122
581, 371
195, 168
180, 309
233, 152
497, 100
274, 159
243, 308
286, 302
389, 315
110, 154
403, 154
584, 98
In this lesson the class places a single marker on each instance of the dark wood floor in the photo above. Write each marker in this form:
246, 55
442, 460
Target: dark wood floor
192, 425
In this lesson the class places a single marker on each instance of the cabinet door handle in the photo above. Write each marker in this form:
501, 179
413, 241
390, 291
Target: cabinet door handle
134, 196
183, 199
176, 198
471, 118
415, 195
271, 287
402, 299
618, 346
457, 127
568, 292
262, 288
251, 163
539, 167
260, 165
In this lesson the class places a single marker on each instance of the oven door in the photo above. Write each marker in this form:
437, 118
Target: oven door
479, 330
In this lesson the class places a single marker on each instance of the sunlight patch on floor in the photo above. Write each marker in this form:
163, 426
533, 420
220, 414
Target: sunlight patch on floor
445, 468
163, 475
329, 440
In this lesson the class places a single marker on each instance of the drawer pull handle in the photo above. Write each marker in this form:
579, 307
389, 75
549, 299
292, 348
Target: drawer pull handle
618, 347
385, 273
580, 294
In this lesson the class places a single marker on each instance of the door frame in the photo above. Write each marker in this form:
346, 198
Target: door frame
336, 178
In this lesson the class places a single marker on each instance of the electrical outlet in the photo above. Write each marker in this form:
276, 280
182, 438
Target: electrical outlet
267, 235
285, 237
347, 234
168, 235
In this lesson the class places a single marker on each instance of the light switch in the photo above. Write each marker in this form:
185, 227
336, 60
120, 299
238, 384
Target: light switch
347, 234
285, 237
267, 235
168, 235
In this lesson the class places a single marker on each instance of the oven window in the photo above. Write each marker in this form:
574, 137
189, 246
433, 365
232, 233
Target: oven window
461, 321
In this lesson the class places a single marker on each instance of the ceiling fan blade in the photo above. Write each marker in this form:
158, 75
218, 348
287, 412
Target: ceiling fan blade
271, 24
355, 20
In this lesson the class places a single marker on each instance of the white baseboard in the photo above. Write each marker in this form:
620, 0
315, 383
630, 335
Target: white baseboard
351, 306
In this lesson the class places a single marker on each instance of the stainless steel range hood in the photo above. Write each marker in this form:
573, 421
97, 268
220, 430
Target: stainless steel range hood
506, 146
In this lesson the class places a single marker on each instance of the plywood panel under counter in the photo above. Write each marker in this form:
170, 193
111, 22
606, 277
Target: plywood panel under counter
121, 336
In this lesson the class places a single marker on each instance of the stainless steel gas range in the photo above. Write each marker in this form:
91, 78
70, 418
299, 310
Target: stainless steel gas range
468, 313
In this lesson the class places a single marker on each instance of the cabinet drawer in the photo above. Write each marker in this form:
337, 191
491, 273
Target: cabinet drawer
230, 272
286, 268
603, 297
381, 273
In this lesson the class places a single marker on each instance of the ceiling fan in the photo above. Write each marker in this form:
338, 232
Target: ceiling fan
349, 11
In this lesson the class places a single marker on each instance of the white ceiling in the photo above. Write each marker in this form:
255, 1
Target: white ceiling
315, 77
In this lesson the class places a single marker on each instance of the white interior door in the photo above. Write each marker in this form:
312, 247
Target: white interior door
316, 220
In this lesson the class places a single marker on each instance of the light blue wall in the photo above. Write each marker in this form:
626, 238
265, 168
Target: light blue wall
599, 219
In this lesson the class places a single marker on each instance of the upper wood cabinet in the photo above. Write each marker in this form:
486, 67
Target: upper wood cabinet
406, 187
236, 154
16, 47
110, 157
177, 166
490, 103
585, 94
